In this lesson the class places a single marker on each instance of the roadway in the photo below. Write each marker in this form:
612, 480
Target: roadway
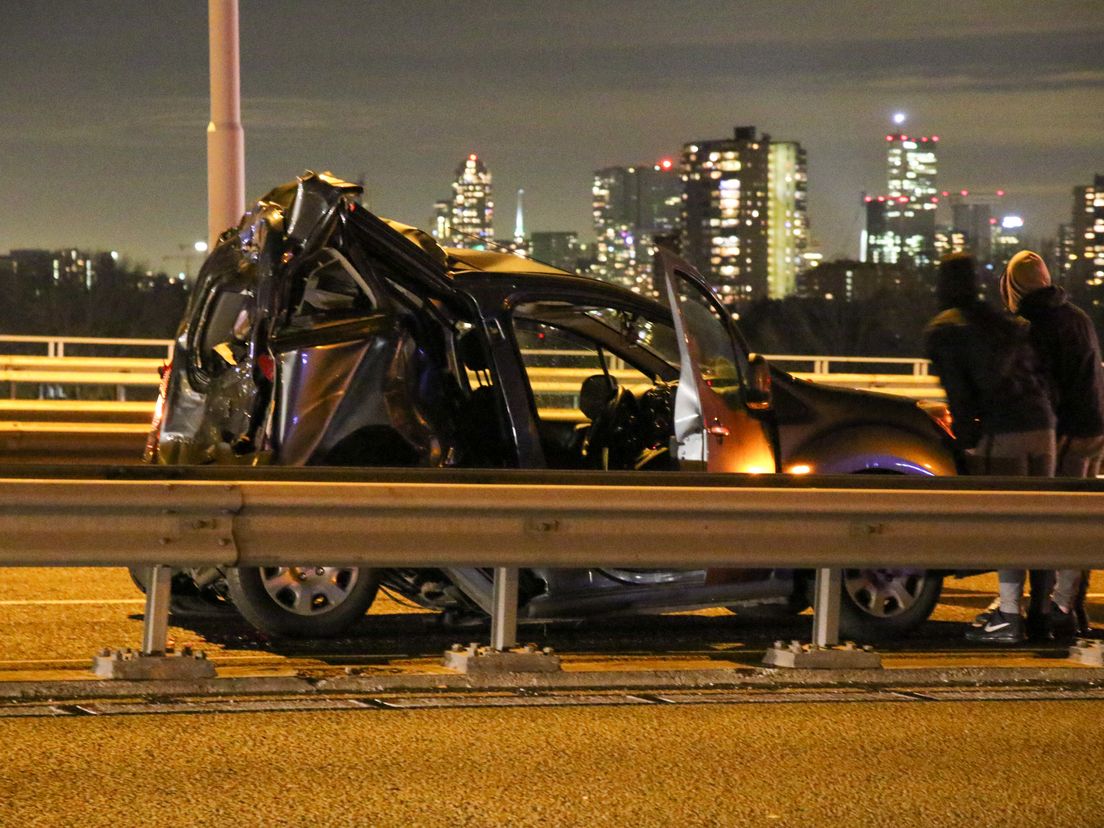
893, 764
849, 755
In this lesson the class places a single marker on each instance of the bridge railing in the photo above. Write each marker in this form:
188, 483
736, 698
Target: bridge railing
113, 382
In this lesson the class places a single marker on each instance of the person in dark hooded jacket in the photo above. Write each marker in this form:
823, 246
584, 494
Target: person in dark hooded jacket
1064, 338
999, 404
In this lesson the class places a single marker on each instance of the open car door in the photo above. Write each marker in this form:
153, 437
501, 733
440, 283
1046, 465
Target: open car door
714, 429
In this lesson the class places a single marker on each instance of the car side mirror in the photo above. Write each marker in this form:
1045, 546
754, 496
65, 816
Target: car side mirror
759, 383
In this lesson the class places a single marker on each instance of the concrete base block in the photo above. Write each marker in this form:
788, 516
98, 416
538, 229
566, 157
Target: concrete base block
1088, 652
810, 657
130, 664
475, 659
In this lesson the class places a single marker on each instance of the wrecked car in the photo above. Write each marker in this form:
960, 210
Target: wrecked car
322, 335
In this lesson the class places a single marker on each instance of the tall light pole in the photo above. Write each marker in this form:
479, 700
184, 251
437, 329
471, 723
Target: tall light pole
225, 137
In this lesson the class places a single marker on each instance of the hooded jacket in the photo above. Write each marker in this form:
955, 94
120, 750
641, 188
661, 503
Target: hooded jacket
1066, 342
989, 369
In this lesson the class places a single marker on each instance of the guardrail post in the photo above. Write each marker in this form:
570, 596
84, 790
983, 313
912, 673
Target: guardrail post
155, 624
155, 660
824, 652
826, 607
504, 606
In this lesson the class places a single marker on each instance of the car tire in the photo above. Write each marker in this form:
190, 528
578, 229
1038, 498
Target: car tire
303, 601
882, 604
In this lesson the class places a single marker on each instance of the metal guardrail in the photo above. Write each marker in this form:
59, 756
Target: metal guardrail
267, 516
441, 518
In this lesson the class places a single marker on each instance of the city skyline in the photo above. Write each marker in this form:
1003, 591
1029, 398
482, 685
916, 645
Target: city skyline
103, 140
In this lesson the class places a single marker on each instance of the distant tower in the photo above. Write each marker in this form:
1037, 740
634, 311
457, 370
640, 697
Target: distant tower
520, 244
519, 220
900, 225
472, 219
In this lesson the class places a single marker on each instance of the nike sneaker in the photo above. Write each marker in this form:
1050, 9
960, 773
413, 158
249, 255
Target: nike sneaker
999, 629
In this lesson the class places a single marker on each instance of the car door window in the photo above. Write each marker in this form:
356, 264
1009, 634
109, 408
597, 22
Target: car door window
557, 362
719, 362
714, 430
594, 407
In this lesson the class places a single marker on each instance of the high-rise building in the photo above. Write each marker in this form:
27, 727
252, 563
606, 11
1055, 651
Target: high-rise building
471, 221
1086, 253
1008, 238
1065, 253
559, 249
900, 225
787, 217
745, 220
442, 221
974, 218
632, 206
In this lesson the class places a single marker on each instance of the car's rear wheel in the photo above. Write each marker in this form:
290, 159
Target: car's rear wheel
303, 601
879, 604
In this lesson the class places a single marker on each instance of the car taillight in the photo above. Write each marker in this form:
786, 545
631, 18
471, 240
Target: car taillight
154, 437
267, 365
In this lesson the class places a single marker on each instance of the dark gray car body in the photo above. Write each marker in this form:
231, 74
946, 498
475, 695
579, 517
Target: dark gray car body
319, 334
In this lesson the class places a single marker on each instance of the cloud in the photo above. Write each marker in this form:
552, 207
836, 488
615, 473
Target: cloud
1056, 80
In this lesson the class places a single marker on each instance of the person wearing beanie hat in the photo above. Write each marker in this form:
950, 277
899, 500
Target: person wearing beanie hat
1025, 273
1066, 342
1000, 406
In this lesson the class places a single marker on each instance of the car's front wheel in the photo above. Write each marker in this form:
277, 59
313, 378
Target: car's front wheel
303, 601
880, 604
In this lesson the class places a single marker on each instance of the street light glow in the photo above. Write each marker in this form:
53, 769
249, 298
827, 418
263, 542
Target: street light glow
200, 247
899, 118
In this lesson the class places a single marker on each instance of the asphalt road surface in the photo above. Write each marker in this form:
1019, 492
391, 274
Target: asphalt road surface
849, 756
855, 764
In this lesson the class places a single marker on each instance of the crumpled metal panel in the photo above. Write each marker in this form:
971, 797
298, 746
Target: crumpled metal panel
379, 391
316, 200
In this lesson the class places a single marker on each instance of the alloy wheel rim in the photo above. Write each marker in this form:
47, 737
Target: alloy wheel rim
884, 593
308, 590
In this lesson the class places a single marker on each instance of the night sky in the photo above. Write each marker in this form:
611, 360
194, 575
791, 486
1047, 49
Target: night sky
103, 106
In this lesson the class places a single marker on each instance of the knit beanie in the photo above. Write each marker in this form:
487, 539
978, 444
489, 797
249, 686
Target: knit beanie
1025, 273
957, 283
